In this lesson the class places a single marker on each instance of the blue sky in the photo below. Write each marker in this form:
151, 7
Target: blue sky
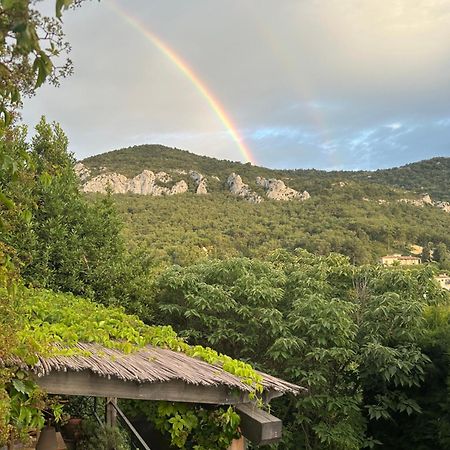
330, 84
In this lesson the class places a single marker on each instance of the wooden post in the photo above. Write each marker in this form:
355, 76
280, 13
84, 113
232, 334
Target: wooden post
111, 413
238, 444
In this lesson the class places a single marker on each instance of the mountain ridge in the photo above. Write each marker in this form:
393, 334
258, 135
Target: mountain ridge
430, 176
349, 213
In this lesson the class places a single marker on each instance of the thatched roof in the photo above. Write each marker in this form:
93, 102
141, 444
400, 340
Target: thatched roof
153, 365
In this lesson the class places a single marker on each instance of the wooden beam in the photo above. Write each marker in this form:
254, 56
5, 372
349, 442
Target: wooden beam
89, 384
259, 426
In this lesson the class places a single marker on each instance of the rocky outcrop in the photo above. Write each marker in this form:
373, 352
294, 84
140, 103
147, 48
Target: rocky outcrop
196, 176
163, 177
200, 182
179, 188
114, 182
202, 188
443, 205
145, 184
340, 184
427, 200
142, 184
82, 172
157, 184
277, 190
239, 188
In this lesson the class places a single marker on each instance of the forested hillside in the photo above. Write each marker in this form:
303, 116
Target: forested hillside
431, 176
347, 213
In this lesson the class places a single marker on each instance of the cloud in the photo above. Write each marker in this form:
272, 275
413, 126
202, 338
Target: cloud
394, 126
336, 83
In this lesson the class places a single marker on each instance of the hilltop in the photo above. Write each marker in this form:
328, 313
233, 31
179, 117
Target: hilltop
360, 214
430, 176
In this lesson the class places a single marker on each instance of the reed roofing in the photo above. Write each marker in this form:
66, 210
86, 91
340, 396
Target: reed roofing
153, 365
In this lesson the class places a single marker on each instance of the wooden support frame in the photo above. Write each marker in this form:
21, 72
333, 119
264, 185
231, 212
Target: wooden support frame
89, 384
110, 411
259, 426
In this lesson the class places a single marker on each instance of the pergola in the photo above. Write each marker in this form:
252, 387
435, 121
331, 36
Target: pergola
153, 373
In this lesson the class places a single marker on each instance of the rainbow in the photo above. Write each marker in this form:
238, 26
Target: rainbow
183, 66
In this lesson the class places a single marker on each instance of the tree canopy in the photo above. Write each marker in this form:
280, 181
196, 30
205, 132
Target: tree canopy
351, 335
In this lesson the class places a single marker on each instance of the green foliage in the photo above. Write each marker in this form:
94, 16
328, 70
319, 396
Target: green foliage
189, 426
14, 177
430, 429
99, 437
30, 46
50, 318
26, 403
440, 253
53, 323
57, 238
233, 304
183, 230
429, 176
426, 255
350, 334
61, 241
133, 160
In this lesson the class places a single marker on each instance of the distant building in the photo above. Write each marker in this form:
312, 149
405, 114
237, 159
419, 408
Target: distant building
444, 280
401, 260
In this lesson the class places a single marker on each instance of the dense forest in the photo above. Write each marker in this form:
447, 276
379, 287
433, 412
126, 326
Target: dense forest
430, 176
289, 288
346, 214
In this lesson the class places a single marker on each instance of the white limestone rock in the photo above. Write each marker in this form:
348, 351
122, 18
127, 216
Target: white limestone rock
178, 188
200, 182
426, 200
196, 176
420, 202
445, 206
143, 184
277, 190
117, 183
305, 195
163, 177
202, 187
81, 171
239, 188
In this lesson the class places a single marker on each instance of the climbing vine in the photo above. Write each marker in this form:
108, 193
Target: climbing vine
50, 318
52, 323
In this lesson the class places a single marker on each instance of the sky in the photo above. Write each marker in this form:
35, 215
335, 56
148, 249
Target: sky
329, 84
